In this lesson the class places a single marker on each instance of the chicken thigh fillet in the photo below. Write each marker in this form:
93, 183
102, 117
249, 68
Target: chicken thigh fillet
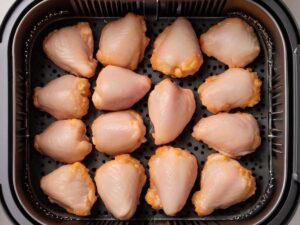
224, 182
173, 172
71, 187
71, 48
119, 184
176, 50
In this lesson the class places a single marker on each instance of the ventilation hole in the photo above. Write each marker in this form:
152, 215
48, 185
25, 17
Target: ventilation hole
203, 146
253, 168
226, 67
48, 116
214, 67
149, 75
105, 212
42, 165
42, 123
58, 75
190, 84
262, 70
260, 167
208, 66
49, 162
220, 66
103, 161
94, 170
161, 76
204, 115
202, 162
202, 152
49, 66
147, 115
180, 83
246, 163
196, 148
42, 173
189, 144
149, 65
260, 178
154, 212
54, 71
42, 75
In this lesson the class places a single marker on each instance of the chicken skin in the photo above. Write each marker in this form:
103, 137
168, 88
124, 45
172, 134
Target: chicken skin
234, 88
64, 141
71, 48
71, 187
170, 109
173, 172
232, 134
231, 41
224, 182
123, 42
65, 97
119, 183
118, 88
118, 132
176, 50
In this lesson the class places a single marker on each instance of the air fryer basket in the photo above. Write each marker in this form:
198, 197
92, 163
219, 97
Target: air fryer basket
31, 68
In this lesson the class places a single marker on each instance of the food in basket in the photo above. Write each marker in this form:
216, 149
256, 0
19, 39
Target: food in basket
117, 133
176, 50
71, 187
224, 182
173, 172
65, 97
71, 48
64, 141
231, 41
232, 134
118, 88
170, 109
123, 42
119, 183
236, 87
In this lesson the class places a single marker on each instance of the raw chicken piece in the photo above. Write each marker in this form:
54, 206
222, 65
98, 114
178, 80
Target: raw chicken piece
71, 187
71, 48
224, 182
119, 183
176, 50
173, 172
234, 88
118, 88
65, 97
231, 41
64, 140
234, 135
123, 42
118, 132
170, 109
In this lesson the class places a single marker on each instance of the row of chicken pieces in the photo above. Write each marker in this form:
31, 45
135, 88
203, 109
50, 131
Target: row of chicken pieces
173, 172
176, 53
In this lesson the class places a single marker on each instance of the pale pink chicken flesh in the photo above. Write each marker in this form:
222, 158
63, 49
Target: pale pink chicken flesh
232, 134
176, 50
173, 172
123, 42
224, 182
118, 88
119, 183
71, 48
64, 140
231, 41
236, 87
118, 132
71, 187
170, 109
65, 97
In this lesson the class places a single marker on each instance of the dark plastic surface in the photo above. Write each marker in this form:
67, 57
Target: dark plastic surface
12, 166
43, 70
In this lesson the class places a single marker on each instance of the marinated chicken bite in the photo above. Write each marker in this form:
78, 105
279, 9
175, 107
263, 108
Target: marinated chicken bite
232, 134
118, 132
231, 41
71, 48
224, 182
119, 183
176, 50
118, 88
234, 88
170, 109
173, 172
71, 187
64, 141
65, 97
123, 42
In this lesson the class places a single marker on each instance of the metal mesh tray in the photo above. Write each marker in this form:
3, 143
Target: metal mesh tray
41, 70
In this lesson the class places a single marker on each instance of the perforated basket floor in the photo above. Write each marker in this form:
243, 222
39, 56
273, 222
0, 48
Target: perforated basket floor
42, 70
